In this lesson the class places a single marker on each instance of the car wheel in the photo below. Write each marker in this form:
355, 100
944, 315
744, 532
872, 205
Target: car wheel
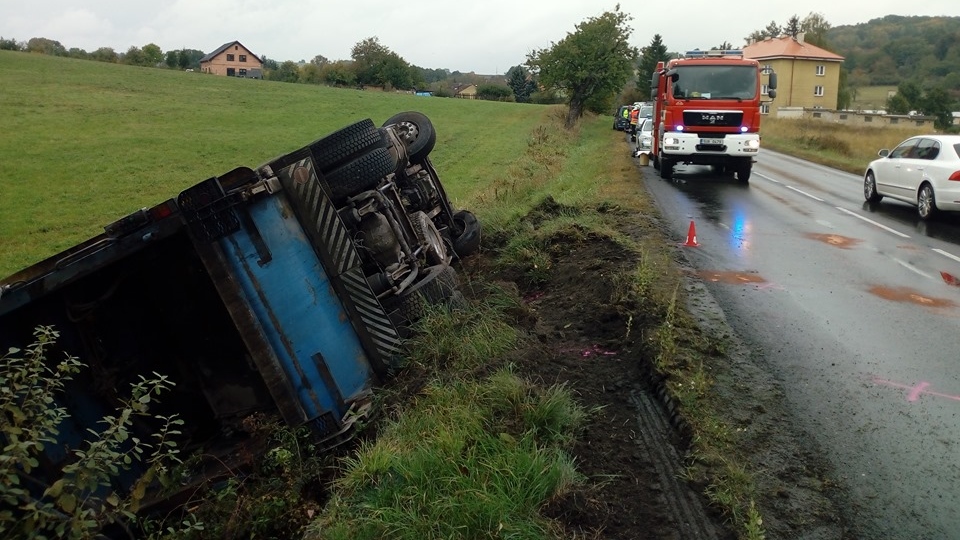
360, 174
926, 202
417, 133
427, 234
870, 188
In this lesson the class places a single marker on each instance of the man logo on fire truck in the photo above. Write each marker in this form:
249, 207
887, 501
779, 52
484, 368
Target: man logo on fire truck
707, 108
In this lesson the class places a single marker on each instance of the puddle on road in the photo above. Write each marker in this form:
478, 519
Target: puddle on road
730, 278
907, 295
836, 240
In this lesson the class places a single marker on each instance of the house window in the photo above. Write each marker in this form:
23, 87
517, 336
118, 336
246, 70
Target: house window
242, 72
229, 58
818, 90
817, 115
843, 117
894, 120
920, 123
868, 119
764, 90
821, 70
766, 69
243, 58
231, 72
765, 108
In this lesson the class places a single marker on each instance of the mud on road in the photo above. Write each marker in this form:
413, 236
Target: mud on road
647, 478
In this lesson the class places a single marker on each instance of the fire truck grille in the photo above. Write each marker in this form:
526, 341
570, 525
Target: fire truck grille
712, 118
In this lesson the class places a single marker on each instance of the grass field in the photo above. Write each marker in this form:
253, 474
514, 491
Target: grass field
85, 143
871, 98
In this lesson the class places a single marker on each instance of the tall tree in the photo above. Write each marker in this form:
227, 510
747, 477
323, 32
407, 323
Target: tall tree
152, 54
589, 65
46, 46
320, 60
520, 81
773, 30
815, 27
650, 55
792, 27
937, 102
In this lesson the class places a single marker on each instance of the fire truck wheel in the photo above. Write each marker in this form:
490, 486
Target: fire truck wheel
666, 168
416, 131
467, 230
743, 171
656, 163
360, 174
346, 145
440, 286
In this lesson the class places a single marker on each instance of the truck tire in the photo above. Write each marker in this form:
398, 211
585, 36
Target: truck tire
346, 145
467, 231
360, 174
440, 286
427, 233
417, 133
743, 171
666, 168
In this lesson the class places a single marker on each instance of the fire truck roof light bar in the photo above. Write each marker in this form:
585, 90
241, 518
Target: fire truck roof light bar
715, 52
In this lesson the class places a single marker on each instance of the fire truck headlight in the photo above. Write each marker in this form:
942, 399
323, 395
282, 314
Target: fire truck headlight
753, 143
671, 141
744, 129
679, 128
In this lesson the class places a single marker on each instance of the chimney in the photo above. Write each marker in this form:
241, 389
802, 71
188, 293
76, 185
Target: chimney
800, 37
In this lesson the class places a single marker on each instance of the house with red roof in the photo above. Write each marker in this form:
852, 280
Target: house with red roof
807, 76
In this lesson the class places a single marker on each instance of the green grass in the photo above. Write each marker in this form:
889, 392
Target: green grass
86, 143
871, 98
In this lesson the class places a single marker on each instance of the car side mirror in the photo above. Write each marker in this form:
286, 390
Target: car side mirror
883, 153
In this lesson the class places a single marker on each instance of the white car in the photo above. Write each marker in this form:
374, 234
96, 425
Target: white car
923, 171
644, 136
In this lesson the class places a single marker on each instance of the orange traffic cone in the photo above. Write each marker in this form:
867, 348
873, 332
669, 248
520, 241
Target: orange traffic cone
691, 236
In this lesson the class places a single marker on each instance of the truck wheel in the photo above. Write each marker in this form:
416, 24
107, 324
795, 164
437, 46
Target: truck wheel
440, 286
346, 144
666, 169
743, 171
656, 163
360, 174
427, 233
467, 230
416, 131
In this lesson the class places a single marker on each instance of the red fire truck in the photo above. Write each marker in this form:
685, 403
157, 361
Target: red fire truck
707, 109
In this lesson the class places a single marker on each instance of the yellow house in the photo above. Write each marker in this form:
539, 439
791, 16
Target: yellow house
233, 60
807, 76
467, 91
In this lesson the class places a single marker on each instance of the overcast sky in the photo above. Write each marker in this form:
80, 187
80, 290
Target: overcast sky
484, 36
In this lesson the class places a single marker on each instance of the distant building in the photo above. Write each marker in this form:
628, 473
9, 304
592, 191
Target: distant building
807, 76
466, 91
233, 60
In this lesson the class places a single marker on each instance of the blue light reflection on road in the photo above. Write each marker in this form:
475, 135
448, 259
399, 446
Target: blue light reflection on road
740, 232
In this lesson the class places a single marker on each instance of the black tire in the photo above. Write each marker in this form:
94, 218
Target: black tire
426, 232
743, 171
926, 203
360, 174
346, 144
440, 286
666, 169
656, 163
870, 189
417, 133
467, 230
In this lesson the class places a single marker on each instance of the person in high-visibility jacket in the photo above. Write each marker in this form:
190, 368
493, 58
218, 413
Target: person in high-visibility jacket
634, 119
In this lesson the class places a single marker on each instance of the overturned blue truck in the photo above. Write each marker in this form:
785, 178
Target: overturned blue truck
284, 290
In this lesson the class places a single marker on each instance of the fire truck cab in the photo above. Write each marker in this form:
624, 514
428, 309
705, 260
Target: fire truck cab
707, 108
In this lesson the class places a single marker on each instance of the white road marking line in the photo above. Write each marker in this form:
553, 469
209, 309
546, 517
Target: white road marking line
804, 193
946, 254
872, 222
765, 177
912, 268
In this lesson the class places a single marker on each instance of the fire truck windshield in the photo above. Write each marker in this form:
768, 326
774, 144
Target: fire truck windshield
715, 82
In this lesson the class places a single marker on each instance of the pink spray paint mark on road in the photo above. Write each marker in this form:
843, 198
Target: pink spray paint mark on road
914, 392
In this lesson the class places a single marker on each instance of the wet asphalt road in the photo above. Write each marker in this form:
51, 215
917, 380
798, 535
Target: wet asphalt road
856, 311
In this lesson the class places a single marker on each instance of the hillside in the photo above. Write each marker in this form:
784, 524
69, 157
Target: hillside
895, 48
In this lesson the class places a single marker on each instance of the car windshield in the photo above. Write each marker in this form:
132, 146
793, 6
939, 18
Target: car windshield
715, 82
647, 125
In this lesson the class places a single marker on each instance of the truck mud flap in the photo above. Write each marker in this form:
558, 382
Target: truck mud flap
338, 254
